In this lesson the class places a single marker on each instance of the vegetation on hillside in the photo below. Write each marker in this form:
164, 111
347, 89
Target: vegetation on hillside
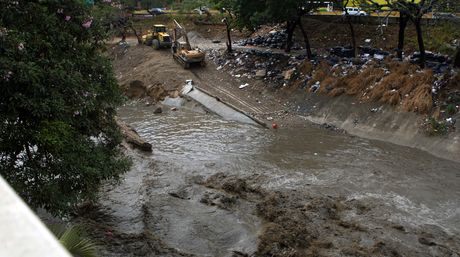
58, 136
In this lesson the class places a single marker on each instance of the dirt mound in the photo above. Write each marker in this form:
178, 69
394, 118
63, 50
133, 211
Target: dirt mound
156, 93
144, 72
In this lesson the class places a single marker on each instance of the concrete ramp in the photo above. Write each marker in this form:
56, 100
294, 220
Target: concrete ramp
214, 105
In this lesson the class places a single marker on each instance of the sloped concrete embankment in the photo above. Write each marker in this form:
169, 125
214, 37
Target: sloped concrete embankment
376, 121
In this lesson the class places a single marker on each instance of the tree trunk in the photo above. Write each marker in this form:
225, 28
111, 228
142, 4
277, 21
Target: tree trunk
139, 39
352, 32
307, 42
290, 30
229, 37
457, 58
402, 28
421, 46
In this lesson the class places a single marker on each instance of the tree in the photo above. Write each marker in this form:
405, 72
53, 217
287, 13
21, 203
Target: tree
350, 25
227, 9
58, 136
254, 13
410, 10
457, 58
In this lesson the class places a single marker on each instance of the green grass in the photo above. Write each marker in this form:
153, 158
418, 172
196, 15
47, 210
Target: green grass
436, 128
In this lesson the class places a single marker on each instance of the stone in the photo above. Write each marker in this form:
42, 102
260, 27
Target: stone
288, 74
260, 74
158, 110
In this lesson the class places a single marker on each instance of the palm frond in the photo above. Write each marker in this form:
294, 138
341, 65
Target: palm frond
74, 240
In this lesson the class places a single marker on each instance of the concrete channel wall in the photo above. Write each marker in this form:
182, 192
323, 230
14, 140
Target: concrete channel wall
22, 234
385, 124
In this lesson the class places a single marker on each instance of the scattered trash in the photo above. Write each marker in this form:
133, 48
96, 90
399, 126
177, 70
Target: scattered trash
269, 118
274, 39
244, 85
274, 126
315, 87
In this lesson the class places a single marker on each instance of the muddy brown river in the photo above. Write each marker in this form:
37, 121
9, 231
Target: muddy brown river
218, 188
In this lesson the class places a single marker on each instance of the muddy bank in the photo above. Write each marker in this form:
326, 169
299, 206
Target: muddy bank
304, 223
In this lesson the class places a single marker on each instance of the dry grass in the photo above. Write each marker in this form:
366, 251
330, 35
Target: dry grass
420, 100
337, 91
396, 83
320, 73
327, 85
359, 83
391, 97
306, 68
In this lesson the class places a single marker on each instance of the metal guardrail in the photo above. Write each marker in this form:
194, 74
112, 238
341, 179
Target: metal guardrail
22, 234
376, 20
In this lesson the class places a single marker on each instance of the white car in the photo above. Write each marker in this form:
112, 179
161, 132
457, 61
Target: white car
354, 11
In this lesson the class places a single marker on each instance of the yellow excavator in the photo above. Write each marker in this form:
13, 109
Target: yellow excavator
157, 37
182, 51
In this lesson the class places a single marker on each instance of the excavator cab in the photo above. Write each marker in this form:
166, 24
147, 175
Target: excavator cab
182, 50
159, 28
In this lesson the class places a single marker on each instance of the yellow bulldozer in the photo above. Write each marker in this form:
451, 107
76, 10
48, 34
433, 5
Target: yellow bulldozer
182, 51
158, 37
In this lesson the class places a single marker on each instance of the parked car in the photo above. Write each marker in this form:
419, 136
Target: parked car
354, 11
156, 11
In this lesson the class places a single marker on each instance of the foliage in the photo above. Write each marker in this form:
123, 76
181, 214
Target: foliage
436, 128
192, 4
58, 137
75, 241
451, 109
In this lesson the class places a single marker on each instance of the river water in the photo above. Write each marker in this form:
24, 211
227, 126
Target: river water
163, 193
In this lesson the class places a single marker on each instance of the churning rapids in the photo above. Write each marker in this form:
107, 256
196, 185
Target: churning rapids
219, 188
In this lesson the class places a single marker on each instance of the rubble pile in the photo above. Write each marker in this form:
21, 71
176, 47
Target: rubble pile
274, 39
364, 52
438, 62
274, 68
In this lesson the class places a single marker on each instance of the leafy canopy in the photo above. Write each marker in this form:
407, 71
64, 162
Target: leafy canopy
58, 137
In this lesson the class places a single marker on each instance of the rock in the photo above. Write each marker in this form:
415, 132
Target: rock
288, 74
136, 89
426, 241
260, 74
174, 94
158, 110
132, 137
